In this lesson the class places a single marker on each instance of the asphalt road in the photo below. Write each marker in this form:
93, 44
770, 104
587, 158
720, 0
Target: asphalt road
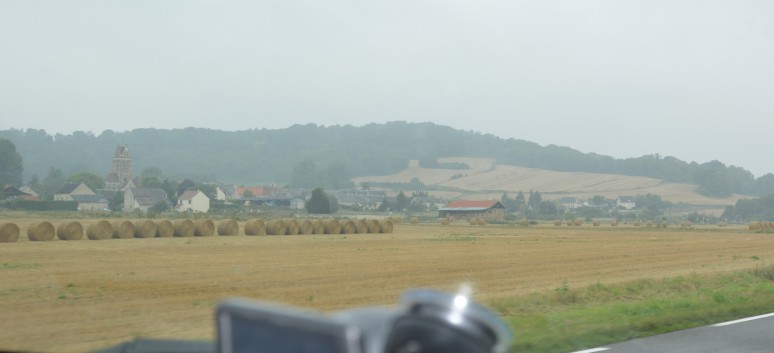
751, 335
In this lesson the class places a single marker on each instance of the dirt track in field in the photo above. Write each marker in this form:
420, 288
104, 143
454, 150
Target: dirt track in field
75, 296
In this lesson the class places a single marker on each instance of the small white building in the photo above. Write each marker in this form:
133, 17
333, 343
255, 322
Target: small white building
193, 201
297, 203
625, 202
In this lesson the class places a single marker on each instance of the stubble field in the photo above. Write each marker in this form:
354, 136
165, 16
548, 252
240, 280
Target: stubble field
76, 296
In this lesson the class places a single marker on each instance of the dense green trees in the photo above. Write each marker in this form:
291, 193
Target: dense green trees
319, 156
319, 203
760, 209
11, 167
93, 181
335, 175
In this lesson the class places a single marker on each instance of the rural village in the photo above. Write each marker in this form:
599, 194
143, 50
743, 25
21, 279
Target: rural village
190, 197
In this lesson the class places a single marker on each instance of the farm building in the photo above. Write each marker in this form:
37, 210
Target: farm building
193, 201
462, 209
366, 199
144, 198
90, 202
9, 192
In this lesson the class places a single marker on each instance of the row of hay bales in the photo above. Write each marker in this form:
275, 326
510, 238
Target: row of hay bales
330, 226
101, 230
761, 226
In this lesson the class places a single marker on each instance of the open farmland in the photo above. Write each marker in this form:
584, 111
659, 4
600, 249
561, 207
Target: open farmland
487, 180
79, 295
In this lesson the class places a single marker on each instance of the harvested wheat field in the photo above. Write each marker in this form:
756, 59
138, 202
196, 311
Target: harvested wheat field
75, 296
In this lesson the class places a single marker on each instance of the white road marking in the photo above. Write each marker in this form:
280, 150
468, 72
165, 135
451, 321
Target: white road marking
743, 320
593, 350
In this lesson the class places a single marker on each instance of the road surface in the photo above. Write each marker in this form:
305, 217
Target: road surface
751, 335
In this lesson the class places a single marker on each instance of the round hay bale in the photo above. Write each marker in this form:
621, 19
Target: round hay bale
255, 227
305, 227
373, 226
204, 228
228, 227
385, 226
414, 220
276, 227
445, 221
348, 227
318, 227
361, 227
332, 226
123, 230
614, 224
165, 229
482, 221
69, 231
396, 219
578, 223
145, 229
636, 223
9, 232
570, 223
557, 222
41, 231
596, 223
291, 227
184, 228
100, 230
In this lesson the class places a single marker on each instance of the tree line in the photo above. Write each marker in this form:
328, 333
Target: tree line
340, 152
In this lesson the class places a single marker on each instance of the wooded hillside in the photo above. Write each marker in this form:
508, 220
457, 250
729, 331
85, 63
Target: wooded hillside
262, 155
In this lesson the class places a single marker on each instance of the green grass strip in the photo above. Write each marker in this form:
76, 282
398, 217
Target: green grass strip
568, 319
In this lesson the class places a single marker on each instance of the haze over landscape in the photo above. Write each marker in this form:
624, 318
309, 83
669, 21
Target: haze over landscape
689, 79
597, 170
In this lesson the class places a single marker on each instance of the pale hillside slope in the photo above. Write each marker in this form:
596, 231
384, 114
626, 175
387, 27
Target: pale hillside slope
485, 179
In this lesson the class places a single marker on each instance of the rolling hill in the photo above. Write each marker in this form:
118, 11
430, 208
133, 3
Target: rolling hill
382, 152
485, 179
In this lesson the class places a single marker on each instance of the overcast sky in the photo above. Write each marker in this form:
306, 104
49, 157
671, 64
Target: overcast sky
691, 79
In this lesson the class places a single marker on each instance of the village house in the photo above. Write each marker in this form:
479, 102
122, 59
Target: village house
463, 209
193, 201
67, 191
625, 202
144, 198
571, 203
225, 192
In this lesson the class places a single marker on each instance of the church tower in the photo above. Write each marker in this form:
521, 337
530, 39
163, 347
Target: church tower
122, 169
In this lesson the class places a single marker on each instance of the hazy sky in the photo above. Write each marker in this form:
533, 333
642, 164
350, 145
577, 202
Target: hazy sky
692, 79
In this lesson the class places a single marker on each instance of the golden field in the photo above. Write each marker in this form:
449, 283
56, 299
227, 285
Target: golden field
76, 296
487, 180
